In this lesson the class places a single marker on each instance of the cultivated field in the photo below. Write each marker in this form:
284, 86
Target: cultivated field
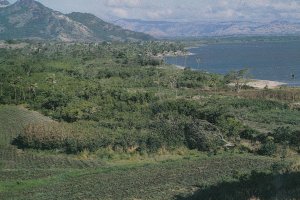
41, 175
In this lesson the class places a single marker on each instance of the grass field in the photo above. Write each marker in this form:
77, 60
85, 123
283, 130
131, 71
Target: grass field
13, 119
163, 180
48, 175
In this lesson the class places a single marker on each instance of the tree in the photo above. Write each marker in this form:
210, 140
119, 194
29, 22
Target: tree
269, 148
32, 90
15, 83
51, 80
203, 136
295, 139
198, 60
283, 134
174, 83
239, 78
1, 88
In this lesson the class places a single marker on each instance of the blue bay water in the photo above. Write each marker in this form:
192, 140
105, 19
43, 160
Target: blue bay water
276, 61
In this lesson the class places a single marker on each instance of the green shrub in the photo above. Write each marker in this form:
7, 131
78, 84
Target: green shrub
295, 139
202, 135
230, 126
268, 149
249, 134
153, 143
282, 134
280, 167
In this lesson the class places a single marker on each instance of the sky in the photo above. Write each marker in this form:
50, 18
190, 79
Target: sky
183, 10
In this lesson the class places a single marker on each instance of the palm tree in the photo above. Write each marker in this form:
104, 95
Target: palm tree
174, 82
51, 80
14, 83
1, 88
239, 78
198, 60
32, 89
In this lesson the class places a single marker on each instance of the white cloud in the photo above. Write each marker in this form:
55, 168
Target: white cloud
159, 14
288, 6
119, 12
123, 3
183, 10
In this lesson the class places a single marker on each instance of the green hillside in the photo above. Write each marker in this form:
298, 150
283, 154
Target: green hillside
127, 126
29, 19
33, 175
37, 175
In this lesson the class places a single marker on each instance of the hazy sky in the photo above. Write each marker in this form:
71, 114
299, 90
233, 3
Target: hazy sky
183, 10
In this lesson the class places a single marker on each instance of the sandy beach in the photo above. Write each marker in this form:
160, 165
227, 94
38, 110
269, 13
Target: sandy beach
173, 54
256, 83
179, 66
261, 84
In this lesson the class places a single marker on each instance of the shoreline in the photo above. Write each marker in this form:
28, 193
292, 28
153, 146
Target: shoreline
256, 83
179, 67
173, 54
262, 84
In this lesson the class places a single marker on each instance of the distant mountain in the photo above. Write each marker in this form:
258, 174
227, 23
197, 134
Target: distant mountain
107, 31
4, 3
196, 29
32, 20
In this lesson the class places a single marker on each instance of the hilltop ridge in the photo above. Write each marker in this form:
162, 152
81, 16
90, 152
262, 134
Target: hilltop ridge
167, 29
29, 19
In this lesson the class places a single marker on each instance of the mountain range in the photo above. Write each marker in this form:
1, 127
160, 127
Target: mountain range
29, 19
4, 3
165, 29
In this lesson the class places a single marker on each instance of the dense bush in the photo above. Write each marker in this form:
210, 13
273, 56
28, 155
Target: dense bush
230, 126
202, 135
282, 134
75, 138
295, 139
43, 136
258, 104
269, 148
257, 185
198, 79
114, 95
287, 135
250, 134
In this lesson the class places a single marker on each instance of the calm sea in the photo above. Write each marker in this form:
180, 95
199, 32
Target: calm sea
277, 61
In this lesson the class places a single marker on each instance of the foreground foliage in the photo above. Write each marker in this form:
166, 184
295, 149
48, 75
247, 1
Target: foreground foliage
121, 96
123, 125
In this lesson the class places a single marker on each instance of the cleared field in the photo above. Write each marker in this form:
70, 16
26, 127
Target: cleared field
12, 121
163, 180
48, 175
33, 174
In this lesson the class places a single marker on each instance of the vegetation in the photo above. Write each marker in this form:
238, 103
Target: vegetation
98, 91
115, 111
257, 185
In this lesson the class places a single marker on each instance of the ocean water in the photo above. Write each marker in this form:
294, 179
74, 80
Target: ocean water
276, 61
